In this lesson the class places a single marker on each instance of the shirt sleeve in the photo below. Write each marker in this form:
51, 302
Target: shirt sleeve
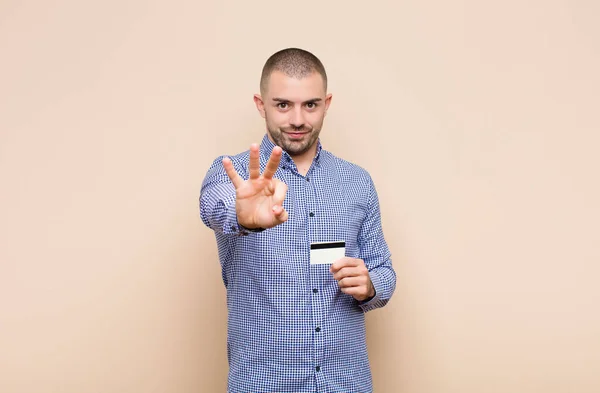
217, 200
376, 254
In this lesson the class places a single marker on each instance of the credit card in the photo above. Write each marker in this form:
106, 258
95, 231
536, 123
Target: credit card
326, 252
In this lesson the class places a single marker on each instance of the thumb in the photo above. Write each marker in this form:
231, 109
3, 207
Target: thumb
280, 214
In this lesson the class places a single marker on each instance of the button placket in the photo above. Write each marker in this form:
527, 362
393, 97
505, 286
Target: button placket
316, 298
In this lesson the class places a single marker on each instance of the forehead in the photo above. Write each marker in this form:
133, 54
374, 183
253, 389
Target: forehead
281, 85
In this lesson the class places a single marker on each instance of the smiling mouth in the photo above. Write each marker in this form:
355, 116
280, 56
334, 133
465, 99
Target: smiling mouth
295, 135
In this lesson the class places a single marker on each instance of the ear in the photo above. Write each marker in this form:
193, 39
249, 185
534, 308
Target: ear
327, 102
260, 105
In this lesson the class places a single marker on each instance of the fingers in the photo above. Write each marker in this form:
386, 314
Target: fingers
235, 178
273, 163
350, 271
344, 262
353, 278
350, 282
280, 214
360, 293
254, 161
360, 287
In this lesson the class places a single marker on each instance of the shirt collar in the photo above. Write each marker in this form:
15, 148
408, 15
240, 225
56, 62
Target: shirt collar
266, 147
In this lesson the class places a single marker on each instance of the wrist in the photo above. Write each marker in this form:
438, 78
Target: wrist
247, 229
371, 294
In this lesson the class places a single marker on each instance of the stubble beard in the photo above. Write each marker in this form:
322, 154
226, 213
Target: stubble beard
292, 147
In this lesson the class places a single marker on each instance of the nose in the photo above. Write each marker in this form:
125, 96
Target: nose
297, 118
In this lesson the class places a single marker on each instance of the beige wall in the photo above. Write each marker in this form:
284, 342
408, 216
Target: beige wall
477, 119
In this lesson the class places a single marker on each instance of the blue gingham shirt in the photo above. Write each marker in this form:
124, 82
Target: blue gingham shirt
290, 328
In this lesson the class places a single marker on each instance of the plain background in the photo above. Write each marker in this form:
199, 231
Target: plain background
478, 121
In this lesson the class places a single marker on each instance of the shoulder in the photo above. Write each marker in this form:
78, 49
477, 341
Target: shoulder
239, 160
216, 170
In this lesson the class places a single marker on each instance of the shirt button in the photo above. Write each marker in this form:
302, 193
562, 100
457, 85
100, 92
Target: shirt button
233, 228
318, 329
315, 290
318, 368
311, 214
307, 179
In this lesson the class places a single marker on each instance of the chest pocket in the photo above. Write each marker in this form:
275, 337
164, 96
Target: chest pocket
341, 210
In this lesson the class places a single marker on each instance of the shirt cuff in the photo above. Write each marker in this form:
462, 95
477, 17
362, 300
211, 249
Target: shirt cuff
232, 226
375, 301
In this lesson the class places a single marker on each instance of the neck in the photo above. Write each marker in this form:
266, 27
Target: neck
303, 163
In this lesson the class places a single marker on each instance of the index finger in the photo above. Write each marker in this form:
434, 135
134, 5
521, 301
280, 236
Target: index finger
235, 178
254, 162
273, 163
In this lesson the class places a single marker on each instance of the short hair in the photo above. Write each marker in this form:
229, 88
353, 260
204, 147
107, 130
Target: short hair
293, 62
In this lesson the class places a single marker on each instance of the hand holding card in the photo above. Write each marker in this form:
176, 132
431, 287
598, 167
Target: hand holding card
353, 278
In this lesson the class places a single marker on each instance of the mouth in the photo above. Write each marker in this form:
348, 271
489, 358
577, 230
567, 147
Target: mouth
296, 135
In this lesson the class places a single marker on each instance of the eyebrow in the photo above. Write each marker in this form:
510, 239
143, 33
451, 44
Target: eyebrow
288, 101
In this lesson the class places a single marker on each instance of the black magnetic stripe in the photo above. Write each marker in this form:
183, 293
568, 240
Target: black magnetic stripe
321, 246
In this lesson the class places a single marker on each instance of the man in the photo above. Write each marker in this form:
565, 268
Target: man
296, 319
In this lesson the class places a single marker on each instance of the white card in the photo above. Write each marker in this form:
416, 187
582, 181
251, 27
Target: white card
326, 252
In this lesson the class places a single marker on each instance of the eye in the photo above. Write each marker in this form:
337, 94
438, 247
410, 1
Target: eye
311, 105
282, 105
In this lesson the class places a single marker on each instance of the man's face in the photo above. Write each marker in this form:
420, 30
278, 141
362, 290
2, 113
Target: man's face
294, 110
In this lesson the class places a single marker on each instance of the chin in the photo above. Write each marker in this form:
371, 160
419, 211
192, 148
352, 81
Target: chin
297, 148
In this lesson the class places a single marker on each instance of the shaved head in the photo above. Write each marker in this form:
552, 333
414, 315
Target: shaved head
293, 62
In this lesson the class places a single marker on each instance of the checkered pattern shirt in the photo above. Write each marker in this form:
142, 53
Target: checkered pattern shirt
290, 328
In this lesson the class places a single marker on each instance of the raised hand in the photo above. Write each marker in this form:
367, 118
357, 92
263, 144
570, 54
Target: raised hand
259, 200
